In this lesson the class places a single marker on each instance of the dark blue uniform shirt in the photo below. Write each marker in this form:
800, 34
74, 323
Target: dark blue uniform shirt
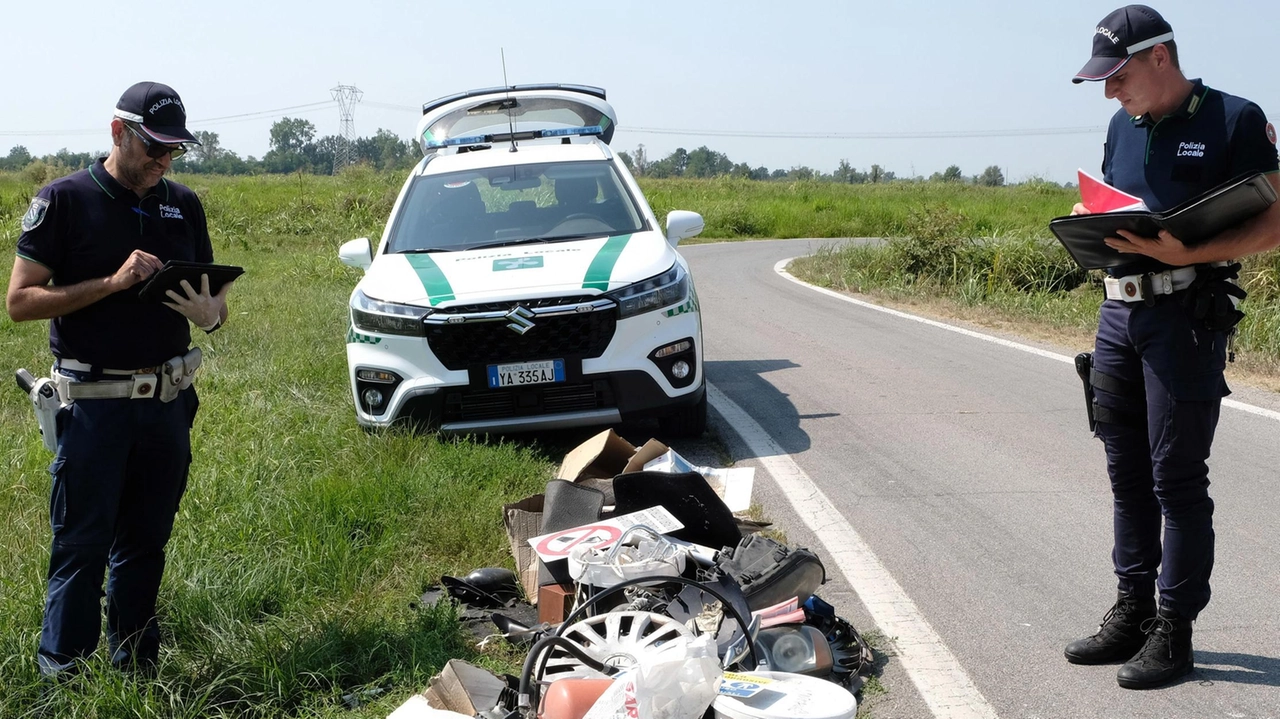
90, 226
1211, 139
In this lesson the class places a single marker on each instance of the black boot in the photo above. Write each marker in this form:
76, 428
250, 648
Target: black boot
1119, 637
1166, 655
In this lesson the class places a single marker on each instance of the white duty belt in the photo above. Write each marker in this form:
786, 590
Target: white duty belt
165, 381
1138, 288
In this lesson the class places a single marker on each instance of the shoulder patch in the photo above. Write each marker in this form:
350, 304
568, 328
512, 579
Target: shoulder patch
36, 212
1271, 133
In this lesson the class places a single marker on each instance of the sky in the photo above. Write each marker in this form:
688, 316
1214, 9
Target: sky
990, 69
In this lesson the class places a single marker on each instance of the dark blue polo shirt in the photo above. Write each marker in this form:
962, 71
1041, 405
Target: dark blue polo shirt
1210, 139
90, 226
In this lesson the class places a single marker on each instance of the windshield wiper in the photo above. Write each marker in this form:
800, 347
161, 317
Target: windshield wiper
508, 243
419, 251
581, 236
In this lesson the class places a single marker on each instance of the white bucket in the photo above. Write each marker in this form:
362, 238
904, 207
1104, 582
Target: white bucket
790, 696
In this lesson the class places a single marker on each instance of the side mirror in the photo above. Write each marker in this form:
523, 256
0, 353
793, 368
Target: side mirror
682, 224
356, 253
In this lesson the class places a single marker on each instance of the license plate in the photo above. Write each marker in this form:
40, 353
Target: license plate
523, 373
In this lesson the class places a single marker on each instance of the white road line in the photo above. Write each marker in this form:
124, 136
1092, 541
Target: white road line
781, 269
943, 684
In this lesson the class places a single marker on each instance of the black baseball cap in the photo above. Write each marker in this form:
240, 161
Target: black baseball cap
1120, 35
158, 110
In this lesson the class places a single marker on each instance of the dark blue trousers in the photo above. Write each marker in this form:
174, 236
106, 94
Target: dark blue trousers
119, 473
1157, 463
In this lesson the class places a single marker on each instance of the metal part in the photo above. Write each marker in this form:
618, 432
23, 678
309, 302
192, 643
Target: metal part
520, 319
565, 420
445, 317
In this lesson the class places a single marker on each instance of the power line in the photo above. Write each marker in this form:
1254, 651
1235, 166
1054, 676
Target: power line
1023, 132
389, 106
223, 120
1019, 132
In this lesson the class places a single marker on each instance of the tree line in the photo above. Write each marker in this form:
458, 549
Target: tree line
294, 147
705, 162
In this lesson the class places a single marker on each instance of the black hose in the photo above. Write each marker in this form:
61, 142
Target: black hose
737, 616
527, 682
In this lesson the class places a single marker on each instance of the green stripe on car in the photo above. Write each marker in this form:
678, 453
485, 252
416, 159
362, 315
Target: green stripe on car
601, 268
432, 277
354, 337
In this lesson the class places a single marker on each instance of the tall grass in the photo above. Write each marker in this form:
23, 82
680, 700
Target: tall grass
1022, 276
302, 543
743, 208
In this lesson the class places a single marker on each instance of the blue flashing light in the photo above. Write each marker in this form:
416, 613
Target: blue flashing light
470, 140
434, 144
564, 131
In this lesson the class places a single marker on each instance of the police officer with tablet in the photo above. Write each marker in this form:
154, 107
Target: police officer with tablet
123, 370
1161, 347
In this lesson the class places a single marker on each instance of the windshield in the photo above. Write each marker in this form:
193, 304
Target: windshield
509, 205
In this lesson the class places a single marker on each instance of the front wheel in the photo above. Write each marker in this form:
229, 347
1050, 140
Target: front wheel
688, 421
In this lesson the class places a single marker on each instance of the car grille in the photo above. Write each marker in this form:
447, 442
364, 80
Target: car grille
526, 401
582, 335
506, 306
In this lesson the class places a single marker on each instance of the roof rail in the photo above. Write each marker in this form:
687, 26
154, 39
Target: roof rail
584, 89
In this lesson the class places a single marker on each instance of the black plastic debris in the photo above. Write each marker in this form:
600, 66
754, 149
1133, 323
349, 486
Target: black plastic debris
851, 654
485, 588
770, 572
688, 497
567, 505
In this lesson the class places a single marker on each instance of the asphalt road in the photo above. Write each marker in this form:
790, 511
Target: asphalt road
967, 469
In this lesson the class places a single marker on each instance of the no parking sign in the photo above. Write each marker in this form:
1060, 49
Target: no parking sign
556, 545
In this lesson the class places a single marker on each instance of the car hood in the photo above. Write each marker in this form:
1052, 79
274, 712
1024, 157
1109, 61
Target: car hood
534, 271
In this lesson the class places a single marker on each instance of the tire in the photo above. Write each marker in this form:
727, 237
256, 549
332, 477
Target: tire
690, 422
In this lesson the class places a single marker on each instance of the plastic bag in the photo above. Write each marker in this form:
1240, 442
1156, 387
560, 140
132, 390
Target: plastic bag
676, 682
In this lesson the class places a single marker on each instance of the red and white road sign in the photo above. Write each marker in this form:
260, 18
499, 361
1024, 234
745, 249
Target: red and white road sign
556, 545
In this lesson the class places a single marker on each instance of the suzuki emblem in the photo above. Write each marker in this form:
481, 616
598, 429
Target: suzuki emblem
521, 320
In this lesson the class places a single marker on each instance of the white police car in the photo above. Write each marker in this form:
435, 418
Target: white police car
522, 282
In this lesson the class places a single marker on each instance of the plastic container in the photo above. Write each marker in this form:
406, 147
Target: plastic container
789, 696
571, 698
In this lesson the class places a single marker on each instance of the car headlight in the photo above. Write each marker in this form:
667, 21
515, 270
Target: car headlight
388, 318
654, 293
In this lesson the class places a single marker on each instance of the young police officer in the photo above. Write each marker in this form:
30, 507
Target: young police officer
1160, 351
87, 242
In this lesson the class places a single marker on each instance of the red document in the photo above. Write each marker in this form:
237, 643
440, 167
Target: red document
1098, 196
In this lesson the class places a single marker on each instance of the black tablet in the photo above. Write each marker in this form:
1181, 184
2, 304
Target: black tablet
174, 272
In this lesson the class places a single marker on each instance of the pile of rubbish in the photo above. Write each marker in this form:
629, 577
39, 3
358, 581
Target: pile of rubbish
641, 592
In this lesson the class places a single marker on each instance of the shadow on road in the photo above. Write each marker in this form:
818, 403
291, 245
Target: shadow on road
1236, 668
744, 382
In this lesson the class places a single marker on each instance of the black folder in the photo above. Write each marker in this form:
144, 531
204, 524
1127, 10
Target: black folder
1195, 221
175, 271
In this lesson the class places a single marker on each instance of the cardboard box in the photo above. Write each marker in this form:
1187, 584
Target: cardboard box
523, 521
607, 455
603, 456
464, 688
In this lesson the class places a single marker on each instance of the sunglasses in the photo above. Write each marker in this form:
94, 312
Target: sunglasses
154, 149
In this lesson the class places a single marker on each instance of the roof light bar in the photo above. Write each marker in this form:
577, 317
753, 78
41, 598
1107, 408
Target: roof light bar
509, 136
